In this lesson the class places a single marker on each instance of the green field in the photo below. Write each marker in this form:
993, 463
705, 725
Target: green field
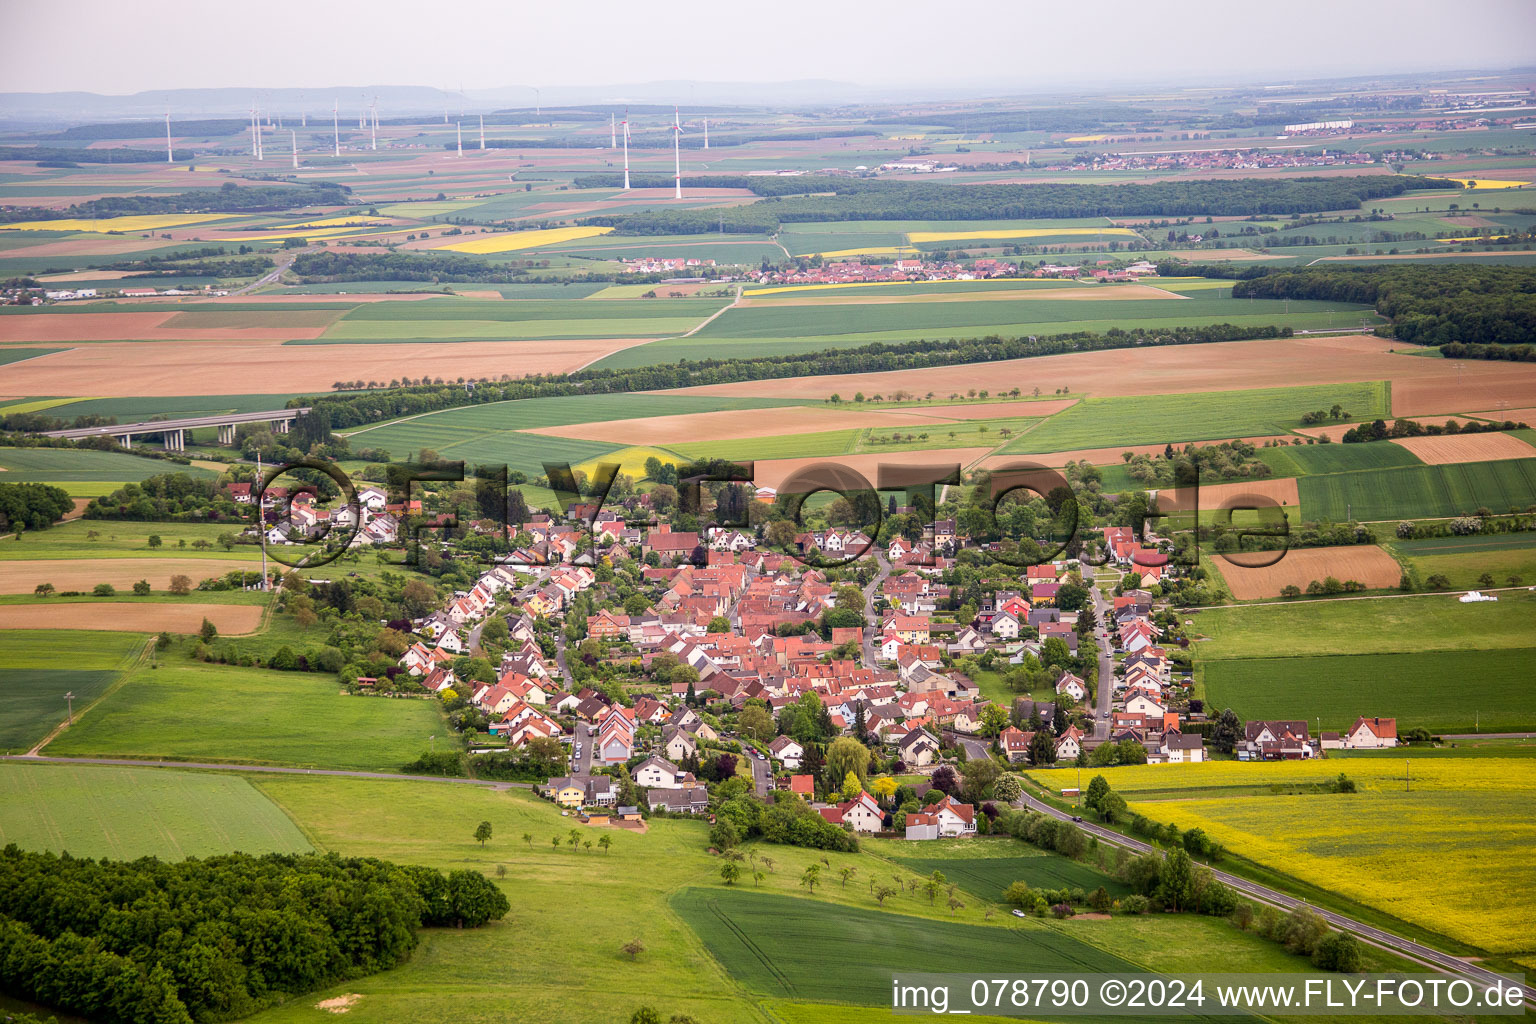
1308, 460
132, 410
1368, 626
988, 874
50, 465
1463, 559
783, 947
1421, 492
1443, 691
124, 539
34, 677
491, 433
1200, 416
193, 712
126, 813
16, 355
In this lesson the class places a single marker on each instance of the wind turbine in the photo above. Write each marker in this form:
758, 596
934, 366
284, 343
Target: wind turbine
374, 122
336, 124
677, 154
538, 103
293, 139
706, 133
362, 114
482, 132
168, 157
460, 125
613, 138
626, 149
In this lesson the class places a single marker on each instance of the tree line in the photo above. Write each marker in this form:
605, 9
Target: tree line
56, 156
145, 942
1480, 304
32, 506
690, 140
228, 198
1377, 430
816, 198
348, 411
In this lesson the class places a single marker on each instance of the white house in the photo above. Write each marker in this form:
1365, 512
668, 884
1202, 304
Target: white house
787, 751
955, 818
1371, 734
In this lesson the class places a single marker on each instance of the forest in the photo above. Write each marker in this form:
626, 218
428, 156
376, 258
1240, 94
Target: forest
1428, 305
348, 411
31, 506
56, 155
229, 198
146, 942
791, 199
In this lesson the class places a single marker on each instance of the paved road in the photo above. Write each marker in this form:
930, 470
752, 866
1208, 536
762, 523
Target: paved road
274, 769
283, 263
582, 765
565, 673
873, 627
975, 750
1105, 613
1442, 962
761, 776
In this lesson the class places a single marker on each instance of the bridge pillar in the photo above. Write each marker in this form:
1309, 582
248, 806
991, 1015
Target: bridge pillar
227, 434
125, 440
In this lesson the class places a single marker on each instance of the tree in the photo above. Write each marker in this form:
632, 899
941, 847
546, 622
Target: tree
417, 598
993, 720
1008, 788
730, 871
483, 832
554, 841
934, 885
756, 722
852, 787
811, 877
633, 948
719, 624
954, 904
155, 541
528, 838
108, 590
605, 842
141, 588
208, 631
1098, 789
1174, 887
846, 755
883, 893
1227, 732
945, 780
43, 590
1042, 747
1337, 951
979, 776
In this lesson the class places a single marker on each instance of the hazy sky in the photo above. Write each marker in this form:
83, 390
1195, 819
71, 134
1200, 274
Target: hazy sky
111, 46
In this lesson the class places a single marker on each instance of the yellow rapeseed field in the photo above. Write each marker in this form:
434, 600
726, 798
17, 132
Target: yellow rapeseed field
1451, 854
1492, 183
961, 236
631, 460
749, 292
868, 250
148, 222
513, 240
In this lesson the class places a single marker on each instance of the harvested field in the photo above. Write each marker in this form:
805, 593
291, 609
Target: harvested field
1230, 495
1500, 415
1450, 448
20, 577
773, 472
996, 410
1366, 563
244, 320
231, 367
1419, 386
118, 616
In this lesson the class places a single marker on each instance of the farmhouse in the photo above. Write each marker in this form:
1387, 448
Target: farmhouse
1371, 734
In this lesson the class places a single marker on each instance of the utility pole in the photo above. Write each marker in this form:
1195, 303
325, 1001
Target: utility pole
1407, 777
261, 519
70, 696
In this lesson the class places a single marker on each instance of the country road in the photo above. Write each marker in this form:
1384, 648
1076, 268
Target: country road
1104, 613
872, 624
271, 277
1407, 948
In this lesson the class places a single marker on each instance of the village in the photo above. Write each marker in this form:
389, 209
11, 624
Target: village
731, 661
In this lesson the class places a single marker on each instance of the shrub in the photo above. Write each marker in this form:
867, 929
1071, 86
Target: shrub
1337, 951
104, 590
1134, 904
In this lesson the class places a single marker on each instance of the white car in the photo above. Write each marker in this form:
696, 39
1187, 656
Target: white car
1019, 913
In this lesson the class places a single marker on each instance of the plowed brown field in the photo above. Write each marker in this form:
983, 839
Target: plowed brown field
118, 616
1439, 451
1366, 563
20, 577
773, 472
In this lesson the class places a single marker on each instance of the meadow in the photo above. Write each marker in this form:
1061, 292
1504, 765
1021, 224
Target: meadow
985, 868
1421, 492
33, 681
1443, 691
1158, 419
1463, 560
1367, 626
126, 539
1308, 460
127, 813
189, 711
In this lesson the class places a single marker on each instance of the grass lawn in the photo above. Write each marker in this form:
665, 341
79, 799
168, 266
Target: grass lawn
1201, 416
986, 867
1372, 625
1443, 691
34, 677
126, 813
194, 712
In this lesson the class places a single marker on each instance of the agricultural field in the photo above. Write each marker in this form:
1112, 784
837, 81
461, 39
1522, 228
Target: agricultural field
985, 868
187, 711
1107, 422
64, 466
1429, 622
1420, 492
1429, 853
1443, 691
1363, 563
1311, 459
116, 539
155, 614
22, 576
127, 813
38, 667
1463, 560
